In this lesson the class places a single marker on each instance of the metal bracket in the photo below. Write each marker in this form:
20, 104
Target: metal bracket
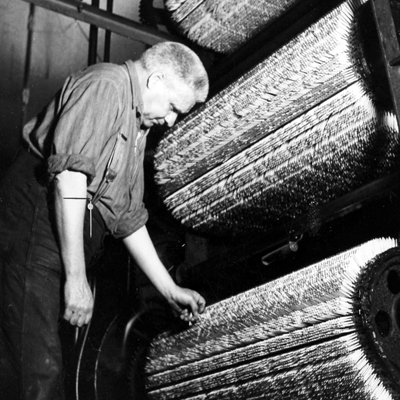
106, 20
390, 47
283, 251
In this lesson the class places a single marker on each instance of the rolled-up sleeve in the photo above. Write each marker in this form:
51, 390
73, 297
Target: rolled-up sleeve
85, 121
134, 221
73, 162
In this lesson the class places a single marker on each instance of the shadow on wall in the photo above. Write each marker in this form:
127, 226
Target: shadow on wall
13, 21
59, 47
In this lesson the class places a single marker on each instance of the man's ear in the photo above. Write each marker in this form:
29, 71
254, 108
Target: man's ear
154, 79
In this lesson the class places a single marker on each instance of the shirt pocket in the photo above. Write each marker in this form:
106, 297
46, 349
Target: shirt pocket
116, 159
113, 166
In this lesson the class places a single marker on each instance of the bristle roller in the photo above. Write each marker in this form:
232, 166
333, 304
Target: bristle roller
300, 128
315, 333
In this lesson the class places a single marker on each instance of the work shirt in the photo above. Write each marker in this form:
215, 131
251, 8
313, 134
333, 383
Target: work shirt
94, 121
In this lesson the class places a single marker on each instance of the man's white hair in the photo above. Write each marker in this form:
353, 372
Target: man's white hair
181, 61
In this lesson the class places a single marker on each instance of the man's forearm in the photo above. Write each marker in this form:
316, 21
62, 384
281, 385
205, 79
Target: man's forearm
70, 203
180, 299
70, 192
142, 249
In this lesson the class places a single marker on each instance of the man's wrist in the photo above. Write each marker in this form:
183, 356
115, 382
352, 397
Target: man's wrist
168, 290
75, 272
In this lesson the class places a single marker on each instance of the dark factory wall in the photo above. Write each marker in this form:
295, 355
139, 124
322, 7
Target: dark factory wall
13, 18
59, 47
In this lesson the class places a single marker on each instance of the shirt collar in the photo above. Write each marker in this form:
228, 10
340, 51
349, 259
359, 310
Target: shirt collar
137, 100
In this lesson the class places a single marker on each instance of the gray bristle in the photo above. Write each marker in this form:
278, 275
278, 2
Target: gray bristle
295, 337
301, 127
224, 25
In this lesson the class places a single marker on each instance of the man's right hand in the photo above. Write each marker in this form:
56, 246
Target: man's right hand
78, 301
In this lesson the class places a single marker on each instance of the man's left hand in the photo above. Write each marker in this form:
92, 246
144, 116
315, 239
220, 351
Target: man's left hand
187, 303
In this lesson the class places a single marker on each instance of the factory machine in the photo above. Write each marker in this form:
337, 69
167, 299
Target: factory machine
285, 184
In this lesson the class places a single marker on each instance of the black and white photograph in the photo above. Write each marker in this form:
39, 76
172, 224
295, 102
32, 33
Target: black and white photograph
200, 200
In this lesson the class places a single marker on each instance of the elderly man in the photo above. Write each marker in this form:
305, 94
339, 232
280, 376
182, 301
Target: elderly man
80, 177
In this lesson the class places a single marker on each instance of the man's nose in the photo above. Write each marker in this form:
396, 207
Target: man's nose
171, 118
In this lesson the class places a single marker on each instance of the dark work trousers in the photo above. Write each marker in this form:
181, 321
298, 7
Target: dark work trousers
31, 277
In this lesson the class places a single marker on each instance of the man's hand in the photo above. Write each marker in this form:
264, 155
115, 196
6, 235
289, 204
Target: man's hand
78, 301
187, 303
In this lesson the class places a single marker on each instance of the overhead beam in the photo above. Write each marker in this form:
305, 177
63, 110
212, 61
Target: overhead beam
105, 20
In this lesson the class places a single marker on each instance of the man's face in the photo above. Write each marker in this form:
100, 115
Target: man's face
164, 99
